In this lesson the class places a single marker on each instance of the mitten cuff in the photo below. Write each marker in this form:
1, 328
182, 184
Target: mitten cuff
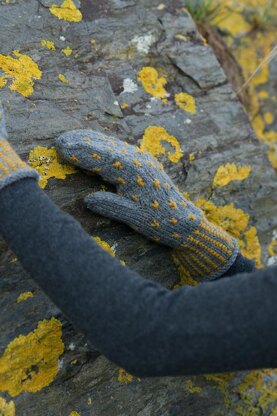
208, 252
12, 168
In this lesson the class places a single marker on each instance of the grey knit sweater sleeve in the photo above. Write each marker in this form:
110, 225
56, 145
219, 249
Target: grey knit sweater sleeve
229, 324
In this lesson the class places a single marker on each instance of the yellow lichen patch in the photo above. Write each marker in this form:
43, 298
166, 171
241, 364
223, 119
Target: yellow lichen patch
67, 51
67, 11
185, 102
191, 156
236, 222
63, 78
152, 143
49, 44
272, 248
24, 296
124, 377
190, 388
151, 82
268, 118
74, 413
124, 105
182, 37
230, 172
30, 362
21, 72
106, 246
7, 409
48, 164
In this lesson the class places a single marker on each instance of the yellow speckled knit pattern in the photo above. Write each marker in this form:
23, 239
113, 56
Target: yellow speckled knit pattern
149, 202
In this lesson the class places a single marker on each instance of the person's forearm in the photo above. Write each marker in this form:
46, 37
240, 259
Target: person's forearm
229, 324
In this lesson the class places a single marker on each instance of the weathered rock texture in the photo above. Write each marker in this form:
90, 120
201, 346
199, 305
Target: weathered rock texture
106, 51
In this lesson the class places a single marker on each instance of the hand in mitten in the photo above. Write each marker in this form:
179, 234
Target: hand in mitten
148, 201
12, 168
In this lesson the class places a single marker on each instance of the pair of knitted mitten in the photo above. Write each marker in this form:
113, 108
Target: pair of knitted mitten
12, 168
148, 201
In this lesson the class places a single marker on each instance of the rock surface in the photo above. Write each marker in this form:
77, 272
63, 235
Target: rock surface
97, 86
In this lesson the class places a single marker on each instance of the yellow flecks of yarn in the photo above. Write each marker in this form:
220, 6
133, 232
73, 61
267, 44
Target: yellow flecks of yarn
135, 198
24, 296
173, 220
151, 82
124, 377
48, 164
152, 143
230, 172
67, 11
150, 163
96, 156
268, 118
157, 183
155, 224
118, 165
191, 217
30, 362
7, 409
22, 72
185, 102
167, 185
124, 105
177, 236
121, 180
236, 222
185, 278
67, 51
140, 181
74, 158
137, 163
156, 238
63, 78
96, 170
49, 44
89, 401
155, 204
86, 139
172, 204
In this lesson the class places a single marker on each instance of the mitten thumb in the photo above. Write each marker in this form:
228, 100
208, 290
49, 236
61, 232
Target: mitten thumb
113, 206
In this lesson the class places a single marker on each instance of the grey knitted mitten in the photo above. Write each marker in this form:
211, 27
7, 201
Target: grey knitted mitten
12, 168
148, 201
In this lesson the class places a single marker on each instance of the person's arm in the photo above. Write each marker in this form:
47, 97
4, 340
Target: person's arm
229, 324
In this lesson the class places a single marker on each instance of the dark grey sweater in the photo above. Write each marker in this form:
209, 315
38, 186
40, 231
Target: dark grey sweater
228, 324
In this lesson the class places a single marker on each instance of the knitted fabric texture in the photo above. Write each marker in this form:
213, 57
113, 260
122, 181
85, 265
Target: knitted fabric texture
148, 201
12, 168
